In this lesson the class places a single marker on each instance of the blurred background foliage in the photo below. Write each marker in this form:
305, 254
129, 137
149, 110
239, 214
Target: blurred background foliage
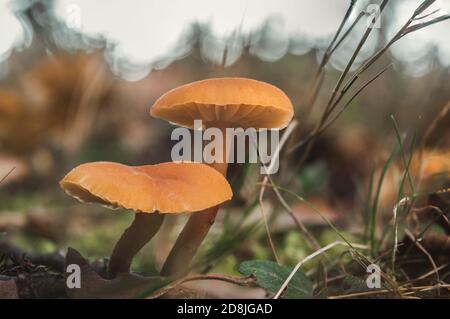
69, 96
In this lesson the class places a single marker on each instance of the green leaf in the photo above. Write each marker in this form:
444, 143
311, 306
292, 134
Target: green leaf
271, 276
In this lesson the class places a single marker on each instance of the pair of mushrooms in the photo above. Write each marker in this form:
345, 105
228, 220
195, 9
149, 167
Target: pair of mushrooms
183, 187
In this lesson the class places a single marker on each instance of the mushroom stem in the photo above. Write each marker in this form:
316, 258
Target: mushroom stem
139, 233
188, 242
197, 227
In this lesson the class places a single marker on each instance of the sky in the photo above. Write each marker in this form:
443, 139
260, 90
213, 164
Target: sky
143, 32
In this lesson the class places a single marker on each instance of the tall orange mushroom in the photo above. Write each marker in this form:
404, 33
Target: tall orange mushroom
151, 191
220, 103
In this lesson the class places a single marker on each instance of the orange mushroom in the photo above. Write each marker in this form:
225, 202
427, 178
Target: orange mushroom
429, 163
220, 103
151, 191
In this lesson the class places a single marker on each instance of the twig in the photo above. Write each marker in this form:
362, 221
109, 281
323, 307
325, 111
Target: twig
427, 15
241, 281
268, 171
267, 179
349, 30
411, 236
402, 202
384, 291
440, 213
424, 24
432, 272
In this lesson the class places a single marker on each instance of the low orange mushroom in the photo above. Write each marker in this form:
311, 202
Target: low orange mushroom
151, 191
429, 163
220, 103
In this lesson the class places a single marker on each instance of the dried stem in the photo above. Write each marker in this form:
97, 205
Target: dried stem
241, 281
268, 170
319, 76
336, 98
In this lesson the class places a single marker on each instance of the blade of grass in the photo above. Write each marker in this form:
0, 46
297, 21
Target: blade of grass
318, 78
362, 260
328, 124
422, 25
335, 99
368, 205
401, 192
403, 156
330, 105
423, 6
374, 208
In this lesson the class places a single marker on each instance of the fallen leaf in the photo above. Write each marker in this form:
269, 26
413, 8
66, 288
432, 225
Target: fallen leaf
8, 289
124, 286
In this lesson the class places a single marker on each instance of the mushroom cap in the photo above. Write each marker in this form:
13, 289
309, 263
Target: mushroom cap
174, 187
238, 102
